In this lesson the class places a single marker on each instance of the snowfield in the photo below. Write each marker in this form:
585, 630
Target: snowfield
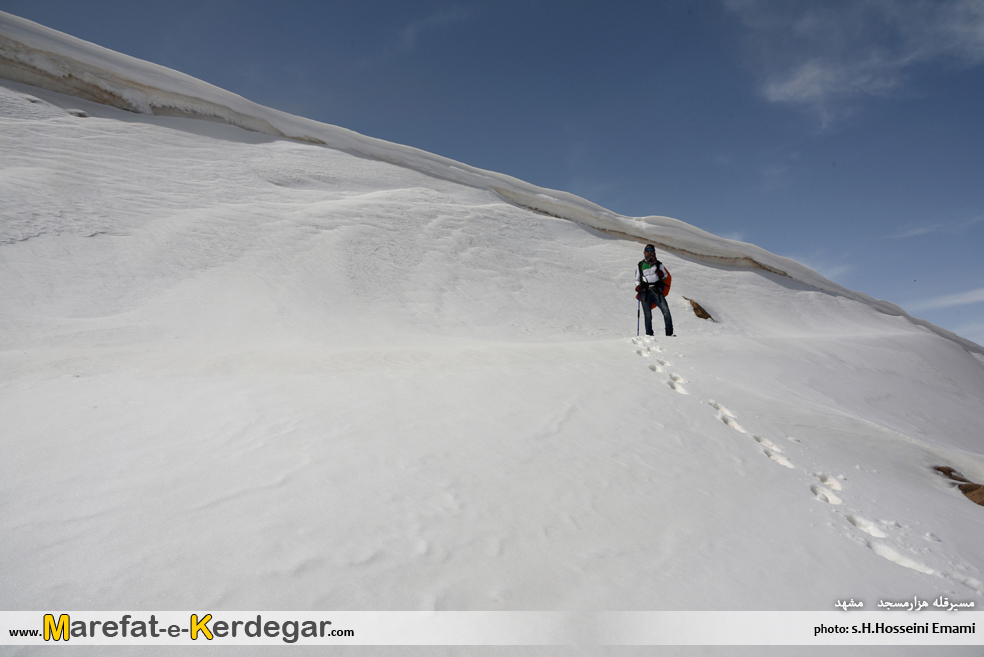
242, 371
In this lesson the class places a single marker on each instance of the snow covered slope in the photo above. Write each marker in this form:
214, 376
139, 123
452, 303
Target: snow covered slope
36, 55
243, 371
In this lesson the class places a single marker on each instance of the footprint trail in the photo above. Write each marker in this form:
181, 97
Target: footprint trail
885, 538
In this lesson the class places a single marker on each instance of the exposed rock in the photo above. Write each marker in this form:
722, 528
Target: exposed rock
699, 311
973, 492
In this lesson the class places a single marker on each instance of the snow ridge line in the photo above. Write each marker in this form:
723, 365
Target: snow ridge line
48, 70
739, 260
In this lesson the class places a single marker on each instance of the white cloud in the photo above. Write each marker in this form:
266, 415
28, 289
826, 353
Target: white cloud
948, 300
827, 55
937, 228
919, 231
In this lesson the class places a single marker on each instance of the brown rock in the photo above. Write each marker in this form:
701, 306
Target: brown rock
973, 492
699, 311
951, 473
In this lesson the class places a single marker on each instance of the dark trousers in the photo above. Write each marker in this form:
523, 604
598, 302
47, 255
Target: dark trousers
648, 297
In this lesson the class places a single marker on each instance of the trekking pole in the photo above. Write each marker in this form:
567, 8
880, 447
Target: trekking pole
638, 310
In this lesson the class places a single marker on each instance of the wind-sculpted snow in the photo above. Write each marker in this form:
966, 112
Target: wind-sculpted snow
42, 57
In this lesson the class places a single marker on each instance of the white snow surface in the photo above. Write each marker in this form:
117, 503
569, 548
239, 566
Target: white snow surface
240, 371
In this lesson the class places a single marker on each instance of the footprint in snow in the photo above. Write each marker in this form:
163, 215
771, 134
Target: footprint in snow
890, 553
765, 442
867, 526
646, 346
677, 378
829, 482
676, 386
824, 494
721, 407
781, 460
662, 362
771, 450
655, 368
726, 416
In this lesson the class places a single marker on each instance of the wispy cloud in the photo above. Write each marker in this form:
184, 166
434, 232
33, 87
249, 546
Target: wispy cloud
949, 300
827, 55
945, 228
919, 231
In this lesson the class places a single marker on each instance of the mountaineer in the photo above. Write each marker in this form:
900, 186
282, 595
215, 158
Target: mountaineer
653, 284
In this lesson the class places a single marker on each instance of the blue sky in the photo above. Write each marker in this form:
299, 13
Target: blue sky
846, 134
